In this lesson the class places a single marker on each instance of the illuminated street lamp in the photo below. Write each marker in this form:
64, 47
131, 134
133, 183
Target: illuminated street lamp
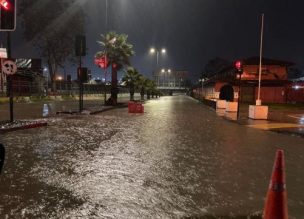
202, 80
164, 71
59, 78
153, 51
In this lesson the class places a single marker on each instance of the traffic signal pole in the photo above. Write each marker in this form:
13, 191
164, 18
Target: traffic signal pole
10, 79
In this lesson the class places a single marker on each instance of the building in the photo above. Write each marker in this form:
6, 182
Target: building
275, 86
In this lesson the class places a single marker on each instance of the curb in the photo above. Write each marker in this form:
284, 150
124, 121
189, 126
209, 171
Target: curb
29, 126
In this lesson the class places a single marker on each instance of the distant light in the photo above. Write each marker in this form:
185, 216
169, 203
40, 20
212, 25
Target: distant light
163, 70
152, 50
238, 65
297, 87
59, 78
163, 51
169, 70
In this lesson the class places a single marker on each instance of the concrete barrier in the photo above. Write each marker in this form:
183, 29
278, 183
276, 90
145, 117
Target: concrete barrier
231, 106
221, 104
258, 112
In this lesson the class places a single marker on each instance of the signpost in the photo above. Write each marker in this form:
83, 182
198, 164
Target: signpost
9, 68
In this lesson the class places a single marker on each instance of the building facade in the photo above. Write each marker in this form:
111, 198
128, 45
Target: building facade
275, 86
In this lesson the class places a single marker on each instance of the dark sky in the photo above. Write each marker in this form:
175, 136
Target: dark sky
194, 31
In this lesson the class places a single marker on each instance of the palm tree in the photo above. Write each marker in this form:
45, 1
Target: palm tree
131, 79
150, 87
118, 52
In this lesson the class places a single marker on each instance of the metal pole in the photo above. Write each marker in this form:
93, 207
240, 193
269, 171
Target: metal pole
239, 97
106, 16
202, 89
80, 85
258, 101
105, 70
157, 59
10, 80
105, 84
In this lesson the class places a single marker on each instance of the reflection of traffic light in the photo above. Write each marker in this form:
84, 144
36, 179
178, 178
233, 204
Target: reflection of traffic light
239, 66
8, 15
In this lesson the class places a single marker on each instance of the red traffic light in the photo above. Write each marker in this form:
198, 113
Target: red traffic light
238, 65
102, 61
8, 15
5, 4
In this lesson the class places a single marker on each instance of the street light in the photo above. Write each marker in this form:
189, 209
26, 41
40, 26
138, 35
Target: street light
60, 79
202, 80
153, 50
164, 71
45, 70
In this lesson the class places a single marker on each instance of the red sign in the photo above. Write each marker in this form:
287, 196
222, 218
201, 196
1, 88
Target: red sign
102, 62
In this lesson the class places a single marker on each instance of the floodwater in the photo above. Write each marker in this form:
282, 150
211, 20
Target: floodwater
177, 160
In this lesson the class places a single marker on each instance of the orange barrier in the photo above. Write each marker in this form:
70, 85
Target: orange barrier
134, 107
276, 199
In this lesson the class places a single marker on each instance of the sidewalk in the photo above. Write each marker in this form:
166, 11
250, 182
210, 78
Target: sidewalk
286, 121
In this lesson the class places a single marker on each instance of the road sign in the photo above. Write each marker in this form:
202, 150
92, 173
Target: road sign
9, 67
3, 53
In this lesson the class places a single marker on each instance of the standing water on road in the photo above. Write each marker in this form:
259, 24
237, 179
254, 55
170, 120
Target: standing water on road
177, 160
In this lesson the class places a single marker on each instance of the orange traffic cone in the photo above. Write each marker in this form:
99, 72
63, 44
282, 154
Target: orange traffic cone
276, 199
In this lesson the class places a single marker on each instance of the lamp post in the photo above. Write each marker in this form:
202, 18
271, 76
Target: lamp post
45, 69
156, 51
60, 79
164, 71
202, 80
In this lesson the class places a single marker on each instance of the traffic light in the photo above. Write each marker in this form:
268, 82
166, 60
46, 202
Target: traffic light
8, 15
102, 62
239, 66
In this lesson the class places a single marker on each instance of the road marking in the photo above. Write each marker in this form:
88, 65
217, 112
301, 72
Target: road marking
269, 126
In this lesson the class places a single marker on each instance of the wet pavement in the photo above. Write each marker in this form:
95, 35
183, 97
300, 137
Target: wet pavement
290, 122
177, 160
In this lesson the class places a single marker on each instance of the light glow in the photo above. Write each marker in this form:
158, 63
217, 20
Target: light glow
152, 50
5, 4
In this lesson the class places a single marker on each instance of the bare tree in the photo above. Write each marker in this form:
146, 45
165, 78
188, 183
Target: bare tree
51, 26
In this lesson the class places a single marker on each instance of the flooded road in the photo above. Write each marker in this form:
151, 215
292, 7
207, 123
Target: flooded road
177, 160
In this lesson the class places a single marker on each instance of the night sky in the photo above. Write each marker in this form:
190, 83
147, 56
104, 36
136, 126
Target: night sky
192, 31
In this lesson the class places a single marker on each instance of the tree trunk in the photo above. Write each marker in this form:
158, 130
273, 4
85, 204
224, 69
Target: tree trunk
52, 71
132, 92
142, 93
